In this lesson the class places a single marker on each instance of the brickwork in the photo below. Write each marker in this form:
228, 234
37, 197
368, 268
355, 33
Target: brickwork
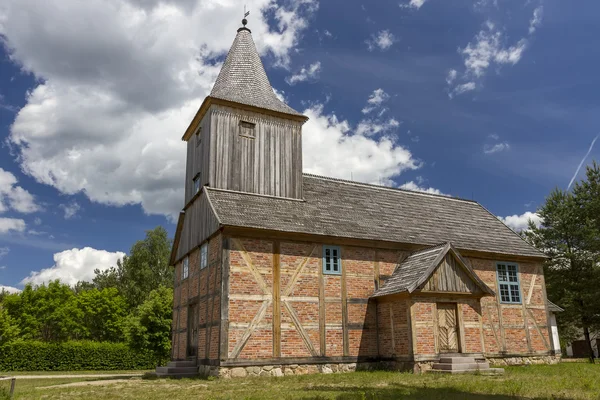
310, 301
202, 287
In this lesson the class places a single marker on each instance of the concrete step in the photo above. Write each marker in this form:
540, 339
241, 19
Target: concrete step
457, 360
488, 371
178, 364
177, 370
461, 367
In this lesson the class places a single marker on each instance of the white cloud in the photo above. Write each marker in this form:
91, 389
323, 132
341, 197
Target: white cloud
4, 251
494, 136
11, 225
339, 151
72, 266
70, 209
519, 223
37, 221
369, 127
9, 289
375, 100
451, 77
119, 81
536, 19
495, 148
462, 88
489, 48
383, 40
416, 187
310, 72
413, 4
15, 197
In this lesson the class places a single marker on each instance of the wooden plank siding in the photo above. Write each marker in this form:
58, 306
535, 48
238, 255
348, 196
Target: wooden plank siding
270, 163
199, 224
449, 276
197, 162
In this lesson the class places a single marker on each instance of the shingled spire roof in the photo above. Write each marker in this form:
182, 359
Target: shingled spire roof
243, 79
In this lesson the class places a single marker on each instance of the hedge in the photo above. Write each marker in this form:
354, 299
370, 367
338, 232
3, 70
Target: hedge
72, 356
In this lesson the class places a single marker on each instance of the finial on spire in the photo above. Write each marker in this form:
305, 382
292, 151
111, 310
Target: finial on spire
244, 21
246, 13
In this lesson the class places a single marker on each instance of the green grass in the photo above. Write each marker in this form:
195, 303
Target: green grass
104, 372
563, 381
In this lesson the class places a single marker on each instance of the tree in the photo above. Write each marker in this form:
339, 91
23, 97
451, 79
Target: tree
145, 269
103, 314
568, 236
9, 331
149, 328
45, 312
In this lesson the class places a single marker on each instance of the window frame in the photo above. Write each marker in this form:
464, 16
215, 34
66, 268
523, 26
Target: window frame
509, 283
185, 268
196, 182
199, 136
203, 258
331, 271
247, 129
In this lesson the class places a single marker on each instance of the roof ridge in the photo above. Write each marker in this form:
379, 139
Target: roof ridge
394, 189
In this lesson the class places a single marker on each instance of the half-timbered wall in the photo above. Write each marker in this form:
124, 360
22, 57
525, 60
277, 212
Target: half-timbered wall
515, 328
203, 288
319, 315
270, 163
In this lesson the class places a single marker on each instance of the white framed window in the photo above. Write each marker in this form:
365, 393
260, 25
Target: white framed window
203, 255
196, 183
508, 282
185, 268
332, 260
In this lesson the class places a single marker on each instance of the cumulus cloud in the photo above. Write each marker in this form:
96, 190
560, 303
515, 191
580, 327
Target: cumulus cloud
536, 19
72, 266
310, 72
15, 197
119, 81
416, 187
11, 225
375, 100
489, 48
71, 209
340, 151
519, 223
416, 4
381, 40
9, 289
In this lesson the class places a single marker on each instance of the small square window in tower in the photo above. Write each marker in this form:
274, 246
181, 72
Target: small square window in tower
198, 137
197, 183
247, 129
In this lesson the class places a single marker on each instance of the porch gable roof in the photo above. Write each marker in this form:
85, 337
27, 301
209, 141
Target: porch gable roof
419, 266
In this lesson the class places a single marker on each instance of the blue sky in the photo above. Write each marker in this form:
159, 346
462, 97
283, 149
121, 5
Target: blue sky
491, 100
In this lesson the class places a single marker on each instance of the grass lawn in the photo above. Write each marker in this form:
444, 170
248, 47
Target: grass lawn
563, 381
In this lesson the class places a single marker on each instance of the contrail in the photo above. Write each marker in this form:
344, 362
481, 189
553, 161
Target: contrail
582, 160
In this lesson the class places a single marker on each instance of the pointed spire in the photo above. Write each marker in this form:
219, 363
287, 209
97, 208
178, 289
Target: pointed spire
243, 78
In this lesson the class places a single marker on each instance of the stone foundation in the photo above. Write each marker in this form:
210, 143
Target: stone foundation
526, 360
300, 369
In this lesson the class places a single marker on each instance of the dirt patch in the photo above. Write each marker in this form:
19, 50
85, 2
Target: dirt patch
104, 382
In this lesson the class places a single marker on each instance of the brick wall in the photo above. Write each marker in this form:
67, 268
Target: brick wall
338, 305
514, 328
203, 288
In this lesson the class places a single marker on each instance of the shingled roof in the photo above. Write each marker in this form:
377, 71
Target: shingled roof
243, 79
344, 209
418, 267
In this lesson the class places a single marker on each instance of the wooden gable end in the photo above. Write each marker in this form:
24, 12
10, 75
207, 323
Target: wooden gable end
451, 275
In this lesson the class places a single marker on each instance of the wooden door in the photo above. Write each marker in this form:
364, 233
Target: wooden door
192, 331
447, 328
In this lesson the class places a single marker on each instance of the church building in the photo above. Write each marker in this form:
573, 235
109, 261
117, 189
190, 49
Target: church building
280, 272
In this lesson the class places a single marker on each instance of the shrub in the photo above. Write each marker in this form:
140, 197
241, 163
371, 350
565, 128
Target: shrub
72, 356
